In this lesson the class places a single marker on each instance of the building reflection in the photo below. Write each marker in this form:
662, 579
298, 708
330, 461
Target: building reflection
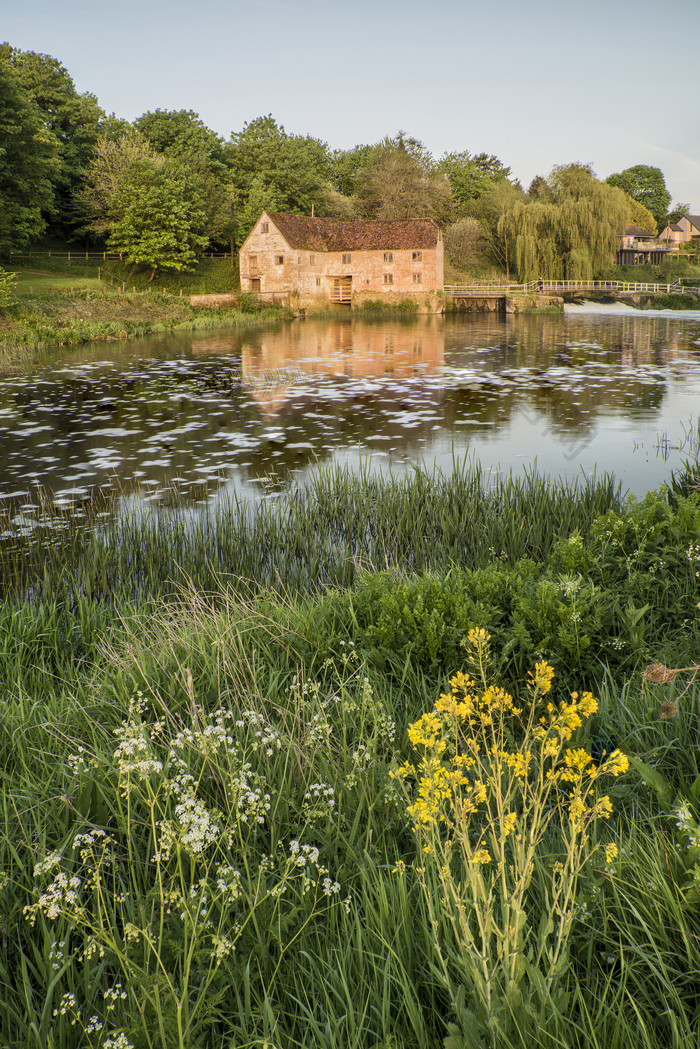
276, 364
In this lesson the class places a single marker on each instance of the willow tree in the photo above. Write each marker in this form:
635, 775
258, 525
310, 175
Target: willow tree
573, 234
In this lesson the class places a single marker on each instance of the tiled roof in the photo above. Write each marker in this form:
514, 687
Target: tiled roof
315, 234
637, 231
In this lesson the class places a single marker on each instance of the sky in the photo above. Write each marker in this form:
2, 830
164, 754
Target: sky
611, 83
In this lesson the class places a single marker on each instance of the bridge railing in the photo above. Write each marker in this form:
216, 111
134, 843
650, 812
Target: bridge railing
487, 290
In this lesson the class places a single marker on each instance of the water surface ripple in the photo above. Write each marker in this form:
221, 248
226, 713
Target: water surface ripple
205, 413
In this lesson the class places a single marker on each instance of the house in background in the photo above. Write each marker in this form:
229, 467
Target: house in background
687, 228
639, 247
306, 262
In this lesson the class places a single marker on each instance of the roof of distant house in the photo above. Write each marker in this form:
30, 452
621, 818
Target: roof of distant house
637, 231
695, 219
318, 234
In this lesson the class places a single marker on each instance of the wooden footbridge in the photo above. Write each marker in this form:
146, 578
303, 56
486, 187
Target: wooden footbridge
494, 297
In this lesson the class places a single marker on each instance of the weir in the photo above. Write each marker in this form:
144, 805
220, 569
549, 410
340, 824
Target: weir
495, 298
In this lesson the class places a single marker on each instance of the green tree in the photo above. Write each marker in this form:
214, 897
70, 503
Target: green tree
72, 118
181, 133
574, 234
647, 185
488, 211
160, 216
464, 242
106, 176
293, 169
640, 216
403, 183
470, 177
676, 213
261, 197
350, 166
538, 189
29, 162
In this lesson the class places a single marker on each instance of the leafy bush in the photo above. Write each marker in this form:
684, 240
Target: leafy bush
614, 598
7, 288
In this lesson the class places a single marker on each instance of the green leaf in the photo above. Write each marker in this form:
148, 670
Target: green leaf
653, 778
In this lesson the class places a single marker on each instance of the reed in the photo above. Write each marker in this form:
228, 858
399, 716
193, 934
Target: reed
318, 535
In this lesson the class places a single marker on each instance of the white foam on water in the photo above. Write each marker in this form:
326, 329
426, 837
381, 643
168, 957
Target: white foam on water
622, 309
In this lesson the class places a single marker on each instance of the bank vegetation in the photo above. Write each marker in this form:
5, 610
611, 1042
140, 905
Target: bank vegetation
251, 795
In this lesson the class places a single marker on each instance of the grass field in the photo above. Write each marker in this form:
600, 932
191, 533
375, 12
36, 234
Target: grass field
250, 816
37, 282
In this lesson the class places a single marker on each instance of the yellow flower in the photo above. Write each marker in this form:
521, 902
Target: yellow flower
426, 731
578, 759
461, 682
478, 637
481, 856
508, 825
610, 852
542, 677
617, 763
603, 808
577, 809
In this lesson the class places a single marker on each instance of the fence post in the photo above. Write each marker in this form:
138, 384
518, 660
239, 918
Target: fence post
69, 258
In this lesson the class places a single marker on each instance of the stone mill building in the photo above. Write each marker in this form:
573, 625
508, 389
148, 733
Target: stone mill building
316, 262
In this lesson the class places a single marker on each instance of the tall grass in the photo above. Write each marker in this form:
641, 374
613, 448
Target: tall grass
318, 535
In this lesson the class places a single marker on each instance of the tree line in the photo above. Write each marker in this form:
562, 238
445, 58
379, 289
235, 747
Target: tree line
164, 188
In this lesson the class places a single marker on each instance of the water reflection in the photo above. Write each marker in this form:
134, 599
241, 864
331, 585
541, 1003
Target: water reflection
192, 412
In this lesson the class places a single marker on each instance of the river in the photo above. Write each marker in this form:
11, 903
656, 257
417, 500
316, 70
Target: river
596, 388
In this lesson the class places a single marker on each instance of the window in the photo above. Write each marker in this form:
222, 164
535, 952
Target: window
417, 256
388, 256
318, 282
347, 259
312, 260
279, 259
417, 278
388, 278
253, 263
265, 227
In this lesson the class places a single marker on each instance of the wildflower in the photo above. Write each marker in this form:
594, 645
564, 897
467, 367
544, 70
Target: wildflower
610, 852
196, 828
603, 807
616, 764
119, 1041
478, 637
668, 710
683, 817
481, 857
66, 1005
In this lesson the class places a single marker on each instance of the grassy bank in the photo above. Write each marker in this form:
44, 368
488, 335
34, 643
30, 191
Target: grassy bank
205, 840
63, 318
